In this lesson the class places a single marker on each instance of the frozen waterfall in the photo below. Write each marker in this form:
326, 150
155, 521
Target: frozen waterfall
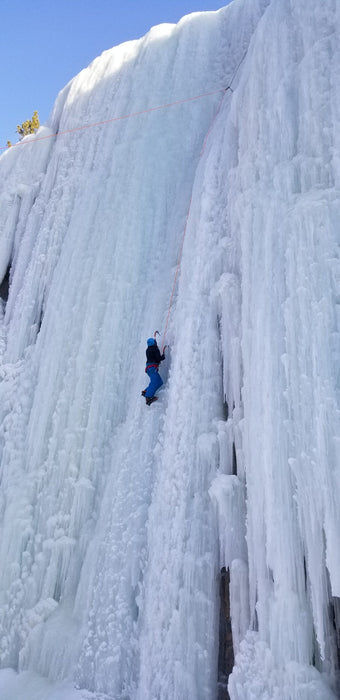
136, 541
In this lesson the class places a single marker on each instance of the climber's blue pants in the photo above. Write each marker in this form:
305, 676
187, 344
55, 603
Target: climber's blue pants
155, 381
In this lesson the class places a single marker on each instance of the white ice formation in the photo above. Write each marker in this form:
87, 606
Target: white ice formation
116, 519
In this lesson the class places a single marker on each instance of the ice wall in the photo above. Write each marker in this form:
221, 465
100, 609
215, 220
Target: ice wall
117, 518
282, 206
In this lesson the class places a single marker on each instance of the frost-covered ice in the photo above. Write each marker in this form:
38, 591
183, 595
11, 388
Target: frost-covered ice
116, 519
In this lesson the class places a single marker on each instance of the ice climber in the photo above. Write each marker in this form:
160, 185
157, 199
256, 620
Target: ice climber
153, 359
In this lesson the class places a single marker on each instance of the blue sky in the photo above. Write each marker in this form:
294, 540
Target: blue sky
44, 43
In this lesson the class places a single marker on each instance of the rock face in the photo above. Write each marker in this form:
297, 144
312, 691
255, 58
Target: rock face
226, 649
4, 286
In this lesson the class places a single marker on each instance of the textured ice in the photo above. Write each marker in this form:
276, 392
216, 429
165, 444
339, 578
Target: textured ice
115, 518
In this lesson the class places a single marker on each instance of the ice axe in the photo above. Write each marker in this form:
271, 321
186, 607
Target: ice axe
158, 333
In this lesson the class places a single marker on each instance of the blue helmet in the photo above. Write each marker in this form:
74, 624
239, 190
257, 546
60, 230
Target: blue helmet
151, 341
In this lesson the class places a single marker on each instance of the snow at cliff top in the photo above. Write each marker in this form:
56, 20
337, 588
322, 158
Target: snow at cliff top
116, 519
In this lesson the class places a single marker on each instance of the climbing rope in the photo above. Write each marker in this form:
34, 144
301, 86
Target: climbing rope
146, 111
115, 119
187, 217
189, 207
133, 114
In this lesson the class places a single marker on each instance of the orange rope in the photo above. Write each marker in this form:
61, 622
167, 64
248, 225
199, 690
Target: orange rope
146, 111
136, 114
187, 216
115, 119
